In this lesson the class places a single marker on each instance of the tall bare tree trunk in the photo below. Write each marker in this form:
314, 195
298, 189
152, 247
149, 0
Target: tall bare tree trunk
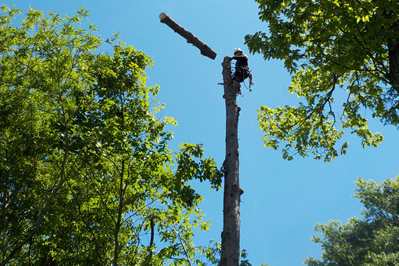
232, 191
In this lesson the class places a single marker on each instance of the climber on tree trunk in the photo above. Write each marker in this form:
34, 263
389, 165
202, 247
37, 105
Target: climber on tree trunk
241, 70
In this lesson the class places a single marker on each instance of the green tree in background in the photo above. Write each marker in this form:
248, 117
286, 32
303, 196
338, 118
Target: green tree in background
372, 241
330, 45
86, 176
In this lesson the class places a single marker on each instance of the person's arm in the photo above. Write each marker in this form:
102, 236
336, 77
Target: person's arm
239, 58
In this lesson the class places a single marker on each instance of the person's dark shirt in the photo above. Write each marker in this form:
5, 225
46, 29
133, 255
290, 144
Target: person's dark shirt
242, 61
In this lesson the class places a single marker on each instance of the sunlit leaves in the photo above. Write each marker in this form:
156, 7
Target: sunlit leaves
86, 175
329, 45
372, 241
314, 134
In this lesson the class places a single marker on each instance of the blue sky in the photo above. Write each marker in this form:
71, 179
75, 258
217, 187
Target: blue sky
282, 200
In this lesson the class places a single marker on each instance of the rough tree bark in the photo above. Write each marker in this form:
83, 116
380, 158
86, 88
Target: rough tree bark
205, 49
232, 191
393, 54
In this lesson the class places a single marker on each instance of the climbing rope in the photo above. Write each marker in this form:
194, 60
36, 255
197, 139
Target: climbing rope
243, 70
249, 87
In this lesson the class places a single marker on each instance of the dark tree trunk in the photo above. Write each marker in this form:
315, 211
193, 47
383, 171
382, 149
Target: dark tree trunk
393, 53
232, 191
205, 49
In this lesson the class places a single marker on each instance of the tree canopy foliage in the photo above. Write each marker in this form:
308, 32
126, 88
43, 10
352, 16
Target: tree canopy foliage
329, 45
86, 175
372, 241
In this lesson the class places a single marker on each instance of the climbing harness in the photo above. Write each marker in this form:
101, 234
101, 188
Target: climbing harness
242, 80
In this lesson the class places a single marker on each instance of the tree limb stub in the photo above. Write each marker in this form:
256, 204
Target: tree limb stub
191, 38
